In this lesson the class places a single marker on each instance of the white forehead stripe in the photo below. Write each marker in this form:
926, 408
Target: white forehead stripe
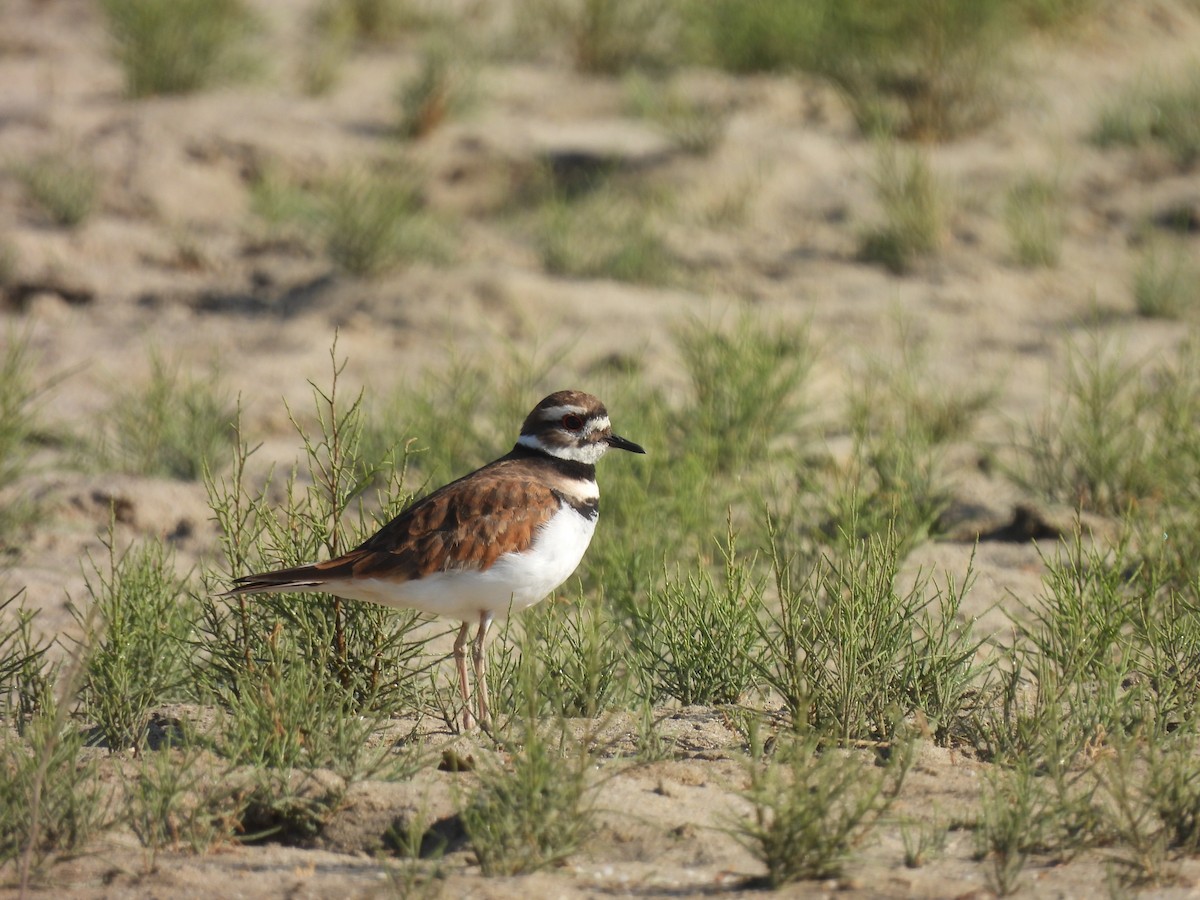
600, 424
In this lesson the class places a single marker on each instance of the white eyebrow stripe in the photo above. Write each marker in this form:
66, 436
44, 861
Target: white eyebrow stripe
555, 412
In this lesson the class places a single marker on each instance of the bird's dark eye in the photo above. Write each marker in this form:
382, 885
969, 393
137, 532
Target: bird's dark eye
572, 422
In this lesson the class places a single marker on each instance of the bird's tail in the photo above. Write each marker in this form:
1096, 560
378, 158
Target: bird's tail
299, 578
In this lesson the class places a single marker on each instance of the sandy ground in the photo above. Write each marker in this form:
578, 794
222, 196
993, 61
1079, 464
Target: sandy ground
173, 261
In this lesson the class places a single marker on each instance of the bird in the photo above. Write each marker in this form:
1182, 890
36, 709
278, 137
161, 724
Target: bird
495, 541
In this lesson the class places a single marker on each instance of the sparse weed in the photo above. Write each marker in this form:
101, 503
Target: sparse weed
372, 221
173, 801
306, 679
179, 46
766, 36
604, 234
923, 841
603, 36
1052, 14
695, 639
19, 424
137, 635
1035, 808
1166, 283
21, 428
1106, 652
1163, 112
1132, 813
912, 204
442, 88
50, 803
381, 21
902, 419
329, 38
852, 655
1091, 450
538, 810
1034, 217
175, 426
813, 805
1010, 822
27, 675
582, 649
693, 127
64, 185
908, 68
747, 387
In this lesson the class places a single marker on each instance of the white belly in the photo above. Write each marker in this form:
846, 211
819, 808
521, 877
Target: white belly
514, 582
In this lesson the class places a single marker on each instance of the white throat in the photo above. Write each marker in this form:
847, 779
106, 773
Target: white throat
587, 453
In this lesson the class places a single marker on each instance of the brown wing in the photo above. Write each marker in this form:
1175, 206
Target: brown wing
468, 523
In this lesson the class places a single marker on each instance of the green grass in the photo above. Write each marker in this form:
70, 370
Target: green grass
19, 420
695, 637
606, 233
1056, 14
538, 809
368, 220
27, 675
379, 21
812, 806
910, 68
180, 46
902, 419
373, 221
855, 656
137, 633
22, 430
330, 669
1091, 450
64, 185
1166, 282
177, 425
767, 36
602, 36
694, 126
442, 88
1084, 710
1033, 216
913, 205
1162, 112
332, 28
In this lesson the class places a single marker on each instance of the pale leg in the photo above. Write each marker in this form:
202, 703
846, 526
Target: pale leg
460, 661
479, 657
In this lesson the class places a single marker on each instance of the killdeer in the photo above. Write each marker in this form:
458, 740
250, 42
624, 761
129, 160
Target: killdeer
497, 540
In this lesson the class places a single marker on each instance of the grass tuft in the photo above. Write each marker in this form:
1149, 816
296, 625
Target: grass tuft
912, 204
694, 127
175, 426
64, 185
137, 637
372, 222
180, 46
908, 68
442, 88
1166, 282
603, 36
813, 805
695, 638
606, 233
1164, 113
854, 656
1034, 217
536, 811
